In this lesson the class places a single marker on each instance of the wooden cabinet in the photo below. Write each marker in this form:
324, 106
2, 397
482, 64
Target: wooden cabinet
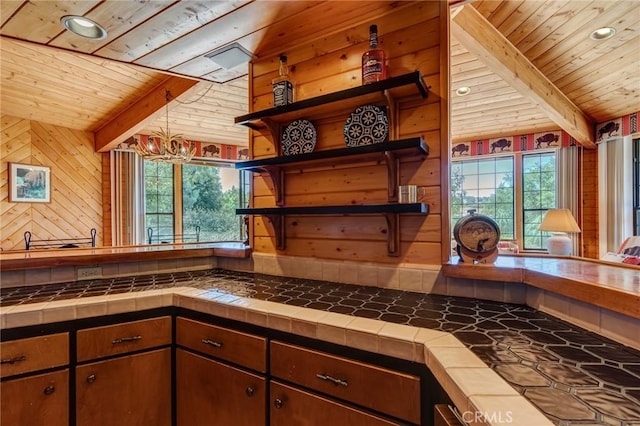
131, 389
126, 391
390, 392
36, 400
219, 389
209, 392
292, 406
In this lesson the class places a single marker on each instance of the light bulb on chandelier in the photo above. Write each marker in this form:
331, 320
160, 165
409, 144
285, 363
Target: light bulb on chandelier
162, 146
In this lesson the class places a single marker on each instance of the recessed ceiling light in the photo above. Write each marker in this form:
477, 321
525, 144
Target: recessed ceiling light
463, 91
603, 33
84, 27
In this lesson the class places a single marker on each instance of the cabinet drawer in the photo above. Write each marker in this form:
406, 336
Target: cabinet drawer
116, 339
33, 354
239, 348
291, 406
390, 392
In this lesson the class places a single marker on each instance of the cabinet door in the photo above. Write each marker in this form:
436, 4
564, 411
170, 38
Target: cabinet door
211, 393
36, 400
133, 390
291, 407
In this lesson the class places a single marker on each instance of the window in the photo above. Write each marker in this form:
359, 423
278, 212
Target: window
190, 198
485, 185
500, 186
636, 187
210, 196
538, 196
159, 198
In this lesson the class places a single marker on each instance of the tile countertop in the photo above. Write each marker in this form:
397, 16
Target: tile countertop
508, 361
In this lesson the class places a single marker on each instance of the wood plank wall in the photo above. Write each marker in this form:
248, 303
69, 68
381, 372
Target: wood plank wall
590, 206
76, 170
412, 36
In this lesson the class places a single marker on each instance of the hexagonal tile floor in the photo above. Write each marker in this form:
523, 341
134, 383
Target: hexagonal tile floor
572, 375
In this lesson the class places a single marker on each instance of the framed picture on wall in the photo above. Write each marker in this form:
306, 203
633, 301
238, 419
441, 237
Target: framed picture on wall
29, 184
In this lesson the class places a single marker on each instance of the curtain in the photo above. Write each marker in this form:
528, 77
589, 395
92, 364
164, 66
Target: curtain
615, 161
567, 188
127, 198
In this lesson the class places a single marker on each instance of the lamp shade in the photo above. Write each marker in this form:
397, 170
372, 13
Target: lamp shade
559, 220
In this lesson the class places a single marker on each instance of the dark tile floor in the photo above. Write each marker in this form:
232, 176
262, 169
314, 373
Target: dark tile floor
574, 376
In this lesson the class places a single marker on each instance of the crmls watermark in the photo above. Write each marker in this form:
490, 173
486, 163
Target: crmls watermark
493, 417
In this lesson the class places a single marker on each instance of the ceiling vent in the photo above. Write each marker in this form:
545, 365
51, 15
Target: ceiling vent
230, 56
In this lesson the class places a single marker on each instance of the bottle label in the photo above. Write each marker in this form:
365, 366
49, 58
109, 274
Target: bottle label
372, 70
282, 93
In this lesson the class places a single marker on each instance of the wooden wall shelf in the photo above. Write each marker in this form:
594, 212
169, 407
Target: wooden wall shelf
412, 83
391, 211
275, 167
270, 122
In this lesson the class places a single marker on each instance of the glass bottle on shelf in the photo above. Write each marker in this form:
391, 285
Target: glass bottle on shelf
374, 67
282, 85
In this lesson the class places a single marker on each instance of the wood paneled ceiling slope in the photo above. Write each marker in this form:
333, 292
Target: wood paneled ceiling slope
531, 65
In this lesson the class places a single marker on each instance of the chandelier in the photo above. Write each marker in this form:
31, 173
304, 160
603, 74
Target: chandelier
162, 146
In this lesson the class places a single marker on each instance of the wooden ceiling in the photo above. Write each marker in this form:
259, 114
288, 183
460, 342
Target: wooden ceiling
53, 76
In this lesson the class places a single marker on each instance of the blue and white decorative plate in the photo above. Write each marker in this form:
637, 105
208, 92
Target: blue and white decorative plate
366, 125
298, 137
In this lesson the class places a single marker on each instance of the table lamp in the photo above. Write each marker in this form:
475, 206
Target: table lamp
559, 222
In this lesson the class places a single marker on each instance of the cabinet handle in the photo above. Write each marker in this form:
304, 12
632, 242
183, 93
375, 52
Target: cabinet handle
49, 390
278, 403
333, 380
212, 343
250, 391
91, 378
14, 359
125, 339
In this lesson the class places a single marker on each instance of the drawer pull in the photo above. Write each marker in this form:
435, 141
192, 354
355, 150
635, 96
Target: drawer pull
278, 403
49, 390
14, 359
125, 339
212, 343
91, 378
333, 380
250, 391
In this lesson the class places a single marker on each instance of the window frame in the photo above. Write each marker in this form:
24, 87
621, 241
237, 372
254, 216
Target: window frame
518, 184
243, 186
523, 210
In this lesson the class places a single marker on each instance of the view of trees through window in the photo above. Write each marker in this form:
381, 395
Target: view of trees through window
158, 200
538, 194
205, 196
488, 186
207, 203
485, 185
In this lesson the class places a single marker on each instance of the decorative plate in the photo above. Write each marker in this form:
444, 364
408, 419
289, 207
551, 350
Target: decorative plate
298, 137
366, 125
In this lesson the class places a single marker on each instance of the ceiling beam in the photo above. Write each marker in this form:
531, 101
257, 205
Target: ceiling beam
481, 38
140, 114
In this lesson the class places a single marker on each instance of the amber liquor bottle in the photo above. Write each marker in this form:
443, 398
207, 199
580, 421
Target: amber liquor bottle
282, 85
374, 66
